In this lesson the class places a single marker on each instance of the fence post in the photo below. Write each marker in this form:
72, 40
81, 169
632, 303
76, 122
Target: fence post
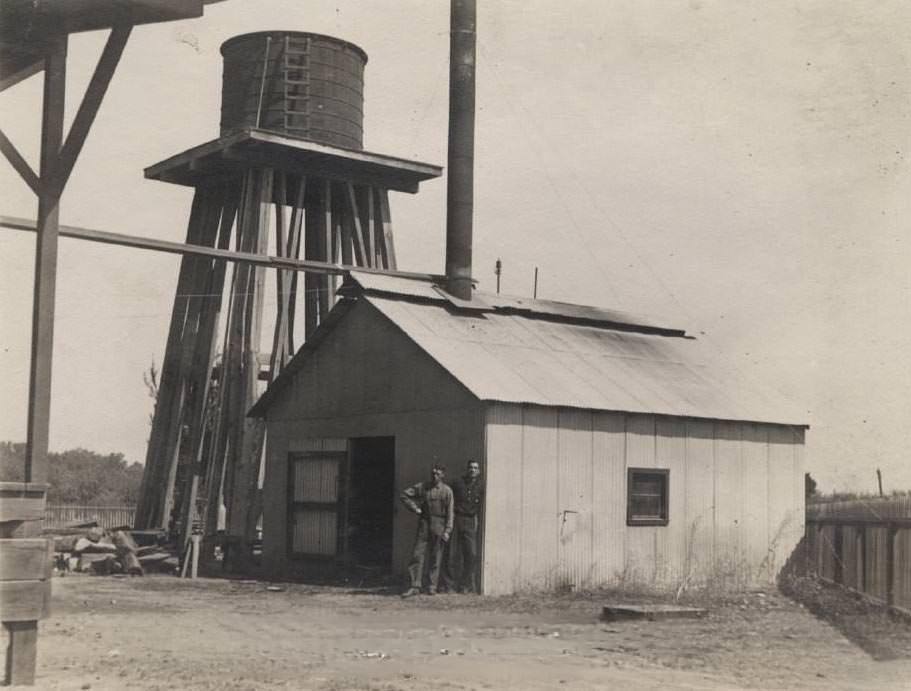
818, 559
838, 570
862, 577
891, 533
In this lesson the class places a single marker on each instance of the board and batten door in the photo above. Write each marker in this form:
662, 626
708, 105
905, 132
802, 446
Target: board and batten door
315, 489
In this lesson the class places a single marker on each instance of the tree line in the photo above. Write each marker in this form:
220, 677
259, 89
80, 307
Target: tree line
78, 476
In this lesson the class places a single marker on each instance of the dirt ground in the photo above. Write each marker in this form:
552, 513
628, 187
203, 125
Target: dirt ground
164, 633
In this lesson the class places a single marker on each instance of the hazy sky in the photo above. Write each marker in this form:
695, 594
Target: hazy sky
736, 168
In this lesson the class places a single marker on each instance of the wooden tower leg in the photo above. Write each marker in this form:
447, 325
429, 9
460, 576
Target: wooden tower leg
312, 221
193, 336
241, 364
216, 467
287, 245
385, 234
157, 481
191, 459
352, 218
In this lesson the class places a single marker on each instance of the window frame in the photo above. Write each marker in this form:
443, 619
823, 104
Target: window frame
664, 517
336, 506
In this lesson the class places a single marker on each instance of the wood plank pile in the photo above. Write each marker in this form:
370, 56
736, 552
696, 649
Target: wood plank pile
87, 548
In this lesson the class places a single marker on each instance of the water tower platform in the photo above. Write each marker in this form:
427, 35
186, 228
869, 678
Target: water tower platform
249, 148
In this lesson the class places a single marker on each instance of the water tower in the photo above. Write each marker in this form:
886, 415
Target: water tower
288, 176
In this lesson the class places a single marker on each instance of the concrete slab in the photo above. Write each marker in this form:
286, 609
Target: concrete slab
620, 612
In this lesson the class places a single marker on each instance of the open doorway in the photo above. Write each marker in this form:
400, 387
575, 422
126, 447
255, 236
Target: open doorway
371, 500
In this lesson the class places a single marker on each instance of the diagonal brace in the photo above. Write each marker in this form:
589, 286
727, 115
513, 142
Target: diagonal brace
91, 101
20, 164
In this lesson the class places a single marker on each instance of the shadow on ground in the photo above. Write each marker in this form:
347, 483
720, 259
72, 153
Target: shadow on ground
881, 633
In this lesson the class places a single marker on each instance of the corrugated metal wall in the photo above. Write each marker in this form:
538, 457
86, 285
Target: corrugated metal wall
556, 514
366, 380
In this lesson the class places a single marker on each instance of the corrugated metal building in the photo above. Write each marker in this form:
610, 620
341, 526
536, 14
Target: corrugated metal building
614, 449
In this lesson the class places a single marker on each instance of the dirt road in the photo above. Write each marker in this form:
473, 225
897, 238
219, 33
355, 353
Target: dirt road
165, 633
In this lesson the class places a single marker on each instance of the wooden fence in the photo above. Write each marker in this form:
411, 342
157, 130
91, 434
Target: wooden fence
864, 545
106, 516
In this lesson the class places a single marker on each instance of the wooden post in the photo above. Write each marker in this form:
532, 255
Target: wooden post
386, 221
245, 436
311, 242
891, 533
323, 231
194, 564
838, 547
91, 102
293, 252
327, 295
157, 481
347, 231
39, 404
22, 652
188, 380
219, 473
353, 217
254, 429
201, 367
367, 223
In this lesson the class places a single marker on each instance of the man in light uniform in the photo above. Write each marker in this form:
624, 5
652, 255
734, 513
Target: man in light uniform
433, 504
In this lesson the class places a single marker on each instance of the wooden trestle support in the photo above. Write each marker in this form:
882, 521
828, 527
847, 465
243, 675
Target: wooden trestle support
204, 453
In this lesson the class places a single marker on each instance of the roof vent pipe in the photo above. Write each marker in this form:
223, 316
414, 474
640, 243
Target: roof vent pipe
460, 173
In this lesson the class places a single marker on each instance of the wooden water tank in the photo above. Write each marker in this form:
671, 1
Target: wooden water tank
301, 84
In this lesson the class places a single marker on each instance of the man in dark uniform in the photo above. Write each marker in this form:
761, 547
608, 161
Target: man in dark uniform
433, 504
461, 564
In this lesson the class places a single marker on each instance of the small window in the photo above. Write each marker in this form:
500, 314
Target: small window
646, 502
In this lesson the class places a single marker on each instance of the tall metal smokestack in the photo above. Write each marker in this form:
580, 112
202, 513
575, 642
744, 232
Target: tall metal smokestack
460, 174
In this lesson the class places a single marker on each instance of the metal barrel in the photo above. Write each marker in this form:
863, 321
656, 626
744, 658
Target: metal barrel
300, 84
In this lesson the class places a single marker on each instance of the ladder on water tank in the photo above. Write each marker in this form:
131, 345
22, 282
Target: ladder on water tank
295, 60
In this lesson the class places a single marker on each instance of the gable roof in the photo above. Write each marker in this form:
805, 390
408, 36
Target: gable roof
516, 350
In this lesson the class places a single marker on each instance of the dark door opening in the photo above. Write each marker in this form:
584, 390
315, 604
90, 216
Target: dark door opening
371, 500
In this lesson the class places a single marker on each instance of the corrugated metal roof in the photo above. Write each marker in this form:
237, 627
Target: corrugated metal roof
554, 354
419, 288
516, 359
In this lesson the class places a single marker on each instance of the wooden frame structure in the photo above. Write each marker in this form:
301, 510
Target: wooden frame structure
322, 209
33, 39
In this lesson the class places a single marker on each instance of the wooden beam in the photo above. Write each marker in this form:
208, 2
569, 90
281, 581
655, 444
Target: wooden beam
294, 246
19, 163
181, 419
386, 220
25, 560
201, 367
21, 75
347, 232
282, 278
242, 462
311, 242
354, 218
39, 399
109, 238
326, 289
367, 223
157, 465
91, 101
219, 473
22, 650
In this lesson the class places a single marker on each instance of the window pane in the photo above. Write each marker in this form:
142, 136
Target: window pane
646, 506
647, 500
